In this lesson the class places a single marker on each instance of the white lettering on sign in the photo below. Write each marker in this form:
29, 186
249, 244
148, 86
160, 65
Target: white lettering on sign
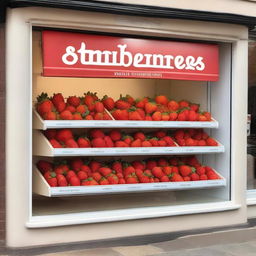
124, 58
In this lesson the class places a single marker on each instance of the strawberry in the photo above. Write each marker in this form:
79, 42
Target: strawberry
201, 143
141, 113
139, 165
162, 143
182, 116
173, 105
165, 116
136, 143
202, 118
61, 180
60, 106
131, 180
185, 170
70, 174
160, 134
83, 142
99, 107
73, 101
49, 116
82, 175
98, 116
44, 105
50, 134
59, 170
162, 162
96, 133
77, 116
108, 102
57, 98
203, 177
194, 176
213, 176
150, 164
134, 114
108, 141
121, 104
103, 181
120, 114
174, 161
117, 167
208, 116
82, 109
127, 139
53, 182
66, 115
70, 108
139, 135
148, 118
89, 98
150, 107
168, 140
187, 178
173, 116
154, 142
190, 142
115, 135
144, 179
94, 166
112, 179
211, 142
194, 107
192, 115
161, 99
167, 170
106, 116
121, 144
158, 172
86, 168
146, 143
98, 143
181, 142
128, 170
139, 172
140, 103
179, 134
44, 166
157, 116
104, 171
76, 164
97, 176
176, 178
183, 104
89, 182
55, 143
71, 143
164, 179
64, 134
129, 99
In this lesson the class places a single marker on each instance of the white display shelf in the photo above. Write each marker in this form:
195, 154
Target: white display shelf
42, 147
41, 187
40, 124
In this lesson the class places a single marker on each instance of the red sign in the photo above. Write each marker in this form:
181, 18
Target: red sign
84, 55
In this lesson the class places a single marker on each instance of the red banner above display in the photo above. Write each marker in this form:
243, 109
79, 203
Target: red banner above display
85, 55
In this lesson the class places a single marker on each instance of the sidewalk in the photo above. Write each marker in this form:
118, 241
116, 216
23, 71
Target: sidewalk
235, 242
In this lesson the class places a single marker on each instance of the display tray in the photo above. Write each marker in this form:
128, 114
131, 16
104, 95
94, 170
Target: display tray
42, 147
40, 124
41, 187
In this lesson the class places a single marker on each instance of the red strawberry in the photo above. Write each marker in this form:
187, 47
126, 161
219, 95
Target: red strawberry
203, 177
136, 143
61, 180
164, 179
139, 135
167, 170
52, 182
108, 141
57, 98
140, 103
160, 134
141, 113
97, 133
194, 107
165, 116
201, 143
176, 178
213, 176
173, 116
50, 133
98, 143
82, 175
97, 176
66, 115
127, 139
60, 106
200, 170
134, 114
161, 99
55, 143
187, 178
73, 101
121, 144
162, 162
146, 143
179, 134
103, 181
105, 171
182, 116
144, 179
82, 109
89, 182
115, 135
148, 117
112, 179
174, 161
154, 142
99, 107
211, 142
44, 105
202, 118
173, 105
129, 99
121, 104
150, 164
108, 102
77, 116
89, 98
194, 176
183, 104
71, 143
181, 142
59, 170
44, 166
121, 114
50, 116
70, 108
64, 134
83, 142
157, 116
192, 115
208, 116
76, 164
98, 116
158, 172
128, 170
131, 180
150, 107
190, 142
94, 166
86, 168
70, 174
117, 167
106, 116
139, 165
168, 140
185, 170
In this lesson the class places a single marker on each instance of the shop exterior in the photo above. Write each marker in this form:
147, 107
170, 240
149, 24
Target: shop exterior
103, 47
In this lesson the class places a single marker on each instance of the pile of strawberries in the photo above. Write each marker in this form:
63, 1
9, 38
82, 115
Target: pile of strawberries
96, 138
79, 172
193, 137
88, 107
159, 108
